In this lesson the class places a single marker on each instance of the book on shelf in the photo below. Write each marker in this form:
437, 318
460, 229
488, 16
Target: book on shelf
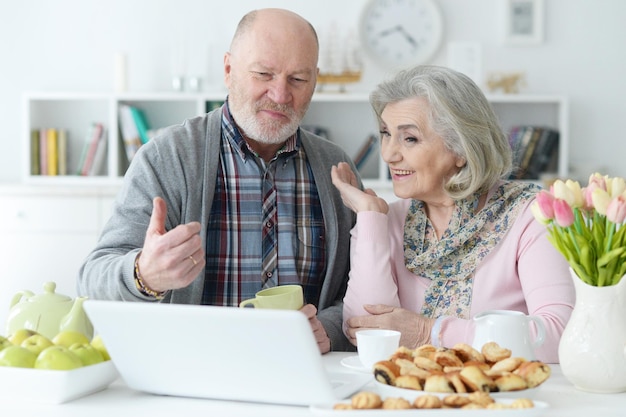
141, 122
62, 151
366, 149
43, 151
128, 131
34, 152
519, 137
52, 152
533, 147
99, 157
544, 155
95, 136
48, 151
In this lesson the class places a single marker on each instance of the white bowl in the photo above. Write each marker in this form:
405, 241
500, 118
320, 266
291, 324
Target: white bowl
54, 387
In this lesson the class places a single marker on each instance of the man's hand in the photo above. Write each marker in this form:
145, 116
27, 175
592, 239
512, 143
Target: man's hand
323, 341
414, 327
170, 260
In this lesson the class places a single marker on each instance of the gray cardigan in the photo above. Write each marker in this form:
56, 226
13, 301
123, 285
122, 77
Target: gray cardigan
181, 165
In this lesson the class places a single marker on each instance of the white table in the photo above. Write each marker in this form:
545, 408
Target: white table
119, 400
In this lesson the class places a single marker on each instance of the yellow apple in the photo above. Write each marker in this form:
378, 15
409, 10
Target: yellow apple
17, 356
36, 343
99, 345
58, 357
88, 354
68, 337
20, 335
4, 342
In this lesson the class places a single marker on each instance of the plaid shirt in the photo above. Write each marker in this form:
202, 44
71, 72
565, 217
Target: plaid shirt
234, 230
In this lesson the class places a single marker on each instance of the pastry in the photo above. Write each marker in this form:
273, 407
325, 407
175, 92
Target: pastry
409, 368
438, 382
507, 365
402, 353
427, 402
455, 400
427, 364
510, 382
456, 381
343, 406
386, 372
392, 403
494, 352
366, 400
424, 350
409, 382
447, 358
534, 372
481, 398
482, 365
476, 380
467, 353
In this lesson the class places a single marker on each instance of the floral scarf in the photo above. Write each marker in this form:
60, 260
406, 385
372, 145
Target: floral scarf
451, 261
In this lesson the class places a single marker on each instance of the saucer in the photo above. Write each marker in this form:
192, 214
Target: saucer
354, 363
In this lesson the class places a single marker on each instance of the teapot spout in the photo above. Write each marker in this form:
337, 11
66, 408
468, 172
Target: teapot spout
77, 319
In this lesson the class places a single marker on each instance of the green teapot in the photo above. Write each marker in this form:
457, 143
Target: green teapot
48, 313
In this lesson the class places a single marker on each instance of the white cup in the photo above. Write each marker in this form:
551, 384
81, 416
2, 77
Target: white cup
375, 345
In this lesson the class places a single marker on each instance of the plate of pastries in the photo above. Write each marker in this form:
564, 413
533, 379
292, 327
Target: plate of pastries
461, 369
474, 404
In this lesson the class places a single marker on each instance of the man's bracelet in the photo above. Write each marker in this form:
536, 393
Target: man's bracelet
141, 285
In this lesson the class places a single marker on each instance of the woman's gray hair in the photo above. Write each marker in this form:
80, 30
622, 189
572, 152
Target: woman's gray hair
462, 116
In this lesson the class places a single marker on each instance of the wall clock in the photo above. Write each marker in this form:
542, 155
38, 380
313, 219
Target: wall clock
401, 33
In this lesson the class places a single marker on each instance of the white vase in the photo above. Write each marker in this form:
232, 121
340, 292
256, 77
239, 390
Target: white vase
592, 350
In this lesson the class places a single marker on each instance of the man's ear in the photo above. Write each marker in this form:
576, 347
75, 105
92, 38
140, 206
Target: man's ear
227, 69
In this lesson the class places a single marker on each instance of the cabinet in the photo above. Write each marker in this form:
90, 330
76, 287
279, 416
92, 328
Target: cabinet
347, 118
45, 233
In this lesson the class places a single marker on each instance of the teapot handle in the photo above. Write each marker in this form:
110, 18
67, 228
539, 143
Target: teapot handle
541, 331
19, 295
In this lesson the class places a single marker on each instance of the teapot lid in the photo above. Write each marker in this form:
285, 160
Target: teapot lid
49, 295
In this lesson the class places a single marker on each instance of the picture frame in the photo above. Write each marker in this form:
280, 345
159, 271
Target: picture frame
523, 22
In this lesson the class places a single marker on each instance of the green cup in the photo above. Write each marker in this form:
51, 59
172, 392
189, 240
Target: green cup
283, 297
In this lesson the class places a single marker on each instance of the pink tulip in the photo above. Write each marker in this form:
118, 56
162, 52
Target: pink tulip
598, 180
544, 201
587, 193
616, 210
563, 213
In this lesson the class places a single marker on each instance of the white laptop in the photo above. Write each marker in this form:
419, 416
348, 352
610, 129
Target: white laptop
227, 353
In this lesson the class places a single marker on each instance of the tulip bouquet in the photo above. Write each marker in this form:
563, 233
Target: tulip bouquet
587, 226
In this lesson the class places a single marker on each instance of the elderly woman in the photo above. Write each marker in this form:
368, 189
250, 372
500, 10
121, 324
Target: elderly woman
462, 239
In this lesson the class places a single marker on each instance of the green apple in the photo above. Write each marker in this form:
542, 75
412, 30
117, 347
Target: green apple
88, 354
20, 335
4, 342
58, 357
36, 343
99, 344
17, 356
68, 337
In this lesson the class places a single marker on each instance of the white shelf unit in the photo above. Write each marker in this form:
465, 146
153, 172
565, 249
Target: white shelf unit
348, 119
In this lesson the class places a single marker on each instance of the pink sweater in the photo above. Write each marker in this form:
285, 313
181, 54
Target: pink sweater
524, 273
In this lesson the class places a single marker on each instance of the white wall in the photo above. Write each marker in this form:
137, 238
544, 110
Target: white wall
53, 45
